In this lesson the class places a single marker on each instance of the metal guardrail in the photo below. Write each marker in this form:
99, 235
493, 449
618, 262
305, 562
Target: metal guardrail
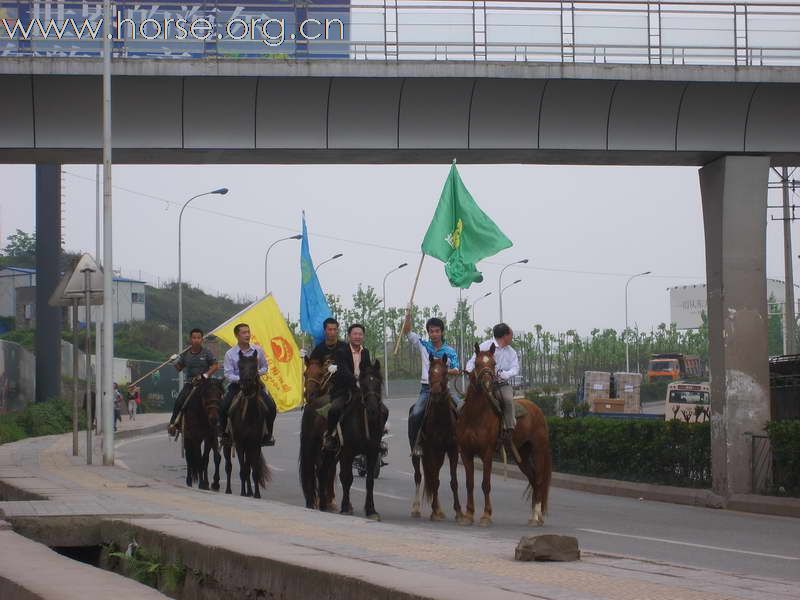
760, 463
654, 33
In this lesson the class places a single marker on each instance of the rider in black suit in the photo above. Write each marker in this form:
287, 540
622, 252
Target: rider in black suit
350, 359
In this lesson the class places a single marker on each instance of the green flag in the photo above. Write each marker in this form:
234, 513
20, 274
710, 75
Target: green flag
461, 234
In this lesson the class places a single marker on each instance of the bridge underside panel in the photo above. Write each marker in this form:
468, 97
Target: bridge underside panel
257, 119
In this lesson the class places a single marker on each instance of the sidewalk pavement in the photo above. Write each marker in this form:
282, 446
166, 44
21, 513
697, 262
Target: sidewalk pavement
295, 552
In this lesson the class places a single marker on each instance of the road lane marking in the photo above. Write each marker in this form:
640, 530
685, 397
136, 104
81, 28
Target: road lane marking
383, 494
142, 438
690, 544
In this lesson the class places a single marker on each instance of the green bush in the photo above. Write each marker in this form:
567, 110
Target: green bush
664, 452
784, 437
44, 418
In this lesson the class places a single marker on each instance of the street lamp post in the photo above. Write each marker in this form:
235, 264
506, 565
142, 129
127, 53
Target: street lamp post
631, 278
515, 282
500, 283
385, 351
472, 306
221, 191
334, 257
299, 236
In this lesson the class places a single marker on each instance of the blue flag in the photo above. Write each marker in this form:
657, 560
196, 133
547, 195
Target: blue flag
314, 307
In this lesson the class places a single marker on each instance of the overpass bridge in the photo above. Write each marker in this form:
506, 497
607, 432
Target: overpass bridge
715, 85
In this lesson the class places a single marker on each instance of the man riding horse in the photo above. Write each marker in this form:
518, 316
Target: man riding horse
325, 351
350, 360
244, 348
432, 348
507, 366
199, 364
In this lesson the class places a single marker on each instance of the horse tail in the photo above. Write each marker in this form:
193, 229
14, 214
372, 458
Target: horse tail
309, 451
427, 481
261, 471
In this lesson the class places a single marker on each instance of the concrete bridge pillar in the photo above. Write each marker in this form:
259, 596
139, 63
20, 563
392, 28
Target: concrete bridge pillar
48, 269
734, 192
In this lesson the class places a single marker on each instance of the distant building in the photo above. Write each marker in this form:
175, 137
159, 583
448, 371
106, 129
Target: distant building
688, 302
18, 299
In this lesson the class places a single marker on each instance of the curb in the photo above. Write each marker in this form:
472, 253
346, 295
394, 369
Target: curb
751, 503
131, 433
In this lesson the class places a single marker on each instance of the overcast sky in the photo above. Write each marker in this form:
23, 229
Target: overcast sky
585, 229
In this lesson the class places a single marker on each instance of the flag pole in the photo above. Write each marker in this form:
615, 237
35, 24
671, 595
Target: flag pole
411, 301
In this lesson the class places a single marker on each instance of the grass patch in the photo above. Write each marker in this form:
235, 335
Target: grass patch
43, 418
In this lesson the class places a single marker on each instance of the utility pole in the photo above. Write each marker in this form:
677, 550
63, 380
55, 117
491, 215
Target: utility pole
789, 342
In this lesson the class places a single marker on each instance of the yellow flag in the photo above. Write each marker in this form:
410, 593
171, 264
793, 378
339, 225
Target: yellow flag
268, 329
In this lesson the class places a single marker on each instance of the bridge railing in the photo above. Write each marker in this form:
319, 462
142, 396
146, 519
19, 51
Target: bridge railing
620, 32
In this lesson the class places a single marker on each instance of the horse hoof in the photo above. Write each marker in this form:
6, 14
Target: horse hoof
228, 492
485, 521
202, 486
215, 487
464, 520
347, 511
333, 507
257, 496
374, 517
438, 516
416, 514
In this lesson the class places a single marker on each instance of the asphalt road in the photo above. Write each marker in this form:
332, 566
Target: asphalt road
753, 545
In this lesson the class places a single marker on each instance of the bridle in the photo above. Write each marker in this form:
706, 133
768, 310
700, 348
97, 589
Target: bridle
485, 374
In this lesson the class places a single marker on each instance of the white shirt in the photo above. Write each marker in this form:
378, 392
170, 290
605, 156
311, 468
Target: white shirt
231, 362
505, 358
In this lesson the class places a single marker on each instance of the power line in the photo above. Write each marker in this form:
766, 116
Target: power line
407, 251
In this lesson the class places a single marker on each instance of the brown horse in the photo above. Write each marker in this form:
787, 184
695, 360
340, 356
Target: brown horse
438, 441
316, 385
477, 431
200, 422
248, 421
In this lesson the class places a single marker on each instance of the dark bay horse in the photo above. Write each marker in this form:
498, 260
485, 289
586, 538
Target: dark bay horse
200, 424
316, 385
477, 430
438, 441
247, 416
362, 425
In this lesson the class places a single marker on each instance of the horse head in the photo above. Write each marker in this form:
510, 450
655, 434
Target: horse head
437, 376
483, 375
248, 372
371, 384
316, 379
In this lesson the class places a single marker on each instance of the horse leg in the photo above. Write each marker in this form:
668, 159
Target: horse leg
217, 459
369, 503
346, 479
436, 466
415, 512
528, 469
452, 454
244, 471
188, 451
469, 471
203, 484
332, 489
251, 459
228, 468
486, 486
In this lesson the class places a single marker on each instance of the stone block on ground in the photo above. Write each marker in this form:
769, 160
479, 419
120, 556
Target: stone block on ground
559, 548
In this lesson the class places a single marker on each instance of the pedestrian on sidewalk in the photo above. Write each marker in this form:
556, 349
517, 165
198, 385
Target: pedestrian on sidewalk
118, 403
133, 402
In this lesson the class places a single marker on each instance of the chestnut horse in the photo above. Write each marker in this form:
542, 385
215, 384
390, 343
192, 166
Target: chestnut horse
316, 385
438, 441
477, 431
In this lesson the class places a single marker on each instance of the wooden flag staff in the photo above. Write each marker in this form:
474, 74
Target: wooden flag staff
411, 301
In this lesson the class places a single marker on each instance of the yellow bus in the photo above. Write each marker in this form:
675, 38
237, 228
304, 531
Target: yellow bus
690, 402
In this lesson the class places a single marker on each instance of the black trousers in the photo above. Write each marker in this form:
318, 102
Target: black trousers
187, 387
269, 403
